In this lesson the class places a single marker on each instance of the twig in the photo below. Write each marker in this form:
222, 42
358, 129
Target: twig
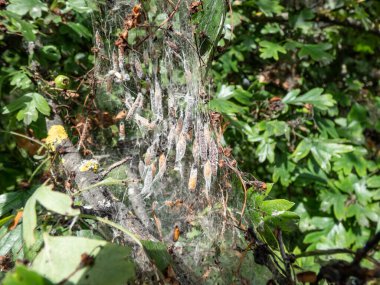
83, 135
362, 253
26, 137
237, 172
38, 169
284, 256
113, 166
171, 15
112, 224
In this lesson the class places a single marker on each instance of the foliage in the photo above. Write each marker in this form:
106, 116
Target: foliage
298, 85
41, 43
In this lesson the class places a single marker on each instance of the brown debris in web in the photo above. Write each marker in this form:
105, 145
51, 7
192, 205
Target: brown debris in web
130, 22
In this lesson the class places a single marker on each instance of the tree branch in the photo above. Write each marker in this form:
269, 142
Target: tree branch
99, 201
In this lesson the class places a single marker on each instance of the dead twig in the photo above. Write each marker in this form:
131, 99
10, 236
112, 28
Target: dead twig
113, 166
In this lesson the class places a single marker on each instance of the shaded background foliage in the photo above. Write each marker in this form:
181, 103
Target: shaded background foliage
297, 82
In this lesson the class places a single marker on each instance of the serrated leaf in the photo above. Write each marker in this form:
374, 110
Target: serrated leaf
24, 27
314, 97
270, 50
351, 160
316, 51
373, 182
29, 114
18, 104
323, 151
41, 104
21, 80
265, 150
302, 150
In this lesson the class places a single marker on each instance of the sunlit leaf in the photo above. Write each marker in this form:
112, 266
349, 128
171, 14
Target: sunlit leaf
61, 256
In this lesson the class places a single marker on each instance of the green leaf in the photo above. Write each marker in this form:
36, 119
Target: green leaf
53, 201
351, 160
243, 97
324, 150
317, 52
18, 104
41, 104
28, 106
56, 201
29, 222
302, 150
81, 30
9, 240
373, 182
269, 7
314, 97
81, 6
265, 150
272, 207
22, 7
12, 201
313, 237
61, 256
5, 220
20, 25
22, 275
226, 107
282, 171
51, 52
270, 50
226, 92
29, 114
21, 80
158, 253
285, 220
